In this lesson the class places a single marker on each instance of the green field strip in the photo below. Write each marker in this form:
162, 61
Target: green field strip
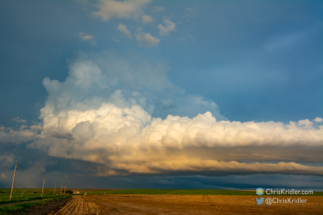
20, 207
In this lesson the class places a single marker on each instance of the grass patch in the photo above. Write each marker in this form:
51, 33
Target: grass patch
21, 194
24, 206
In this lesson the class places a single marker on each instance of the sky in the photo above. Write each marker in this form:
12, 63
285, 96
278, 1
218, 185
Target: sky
162, 94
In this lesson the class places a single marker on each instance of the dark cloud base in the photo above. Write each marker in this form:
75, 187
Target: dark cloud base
34, 164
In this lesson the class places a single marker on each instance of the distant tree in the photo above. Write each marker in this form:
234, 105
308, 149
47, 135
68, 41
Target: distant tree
69, 191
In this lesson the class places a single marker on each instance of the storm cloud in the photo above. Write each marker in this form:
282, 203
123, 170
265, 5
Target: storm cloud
109, 111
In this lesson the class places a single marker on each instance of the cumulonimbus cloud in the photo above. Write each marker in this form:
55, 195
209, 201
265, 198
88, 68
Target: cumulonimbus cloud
107, 112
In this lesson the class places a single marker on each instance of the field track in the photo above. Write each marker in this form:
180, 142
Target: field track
183, 204
79, 205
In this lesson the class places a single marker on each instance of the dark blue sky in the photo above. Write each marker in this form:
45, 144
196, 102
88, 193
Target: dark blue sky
259, 61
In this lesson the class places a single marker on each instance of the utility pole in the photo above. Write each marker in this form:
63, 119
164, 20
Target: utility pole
61, 189
13, 181
54, 189
42, 190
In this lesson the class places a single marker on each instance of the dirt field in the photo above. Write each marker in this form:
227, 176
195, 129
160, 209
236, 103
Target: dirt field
176, 204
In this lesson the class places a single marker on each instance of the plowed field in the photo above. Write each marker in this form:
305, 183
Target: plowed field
186, 204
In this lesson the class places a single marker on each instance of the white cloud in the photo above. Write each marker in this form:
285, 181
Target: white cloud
87, 37
104, 113
146, 19
305, 122
120, 9
169, 26
19, 120
3, 176
187, 38
189, 9
146, 39
9, 136
124, 29
190, 12
318, 119
116, 40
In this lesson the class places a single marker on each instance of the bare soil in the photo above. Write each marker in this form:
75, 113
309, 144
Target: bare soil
183, 204
47, 208
199, 204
